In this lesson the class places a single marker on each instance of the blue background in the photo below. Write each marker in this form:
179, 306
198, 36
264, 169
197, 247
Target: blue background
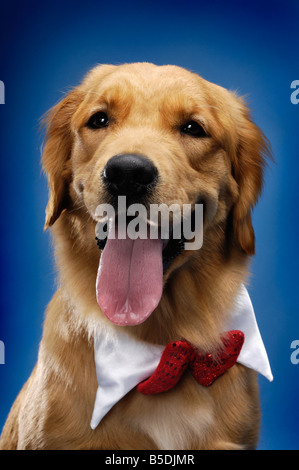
250, 47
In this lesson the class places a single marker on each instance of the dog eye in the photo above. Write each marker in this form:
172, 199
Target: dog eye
194, 129
98, 120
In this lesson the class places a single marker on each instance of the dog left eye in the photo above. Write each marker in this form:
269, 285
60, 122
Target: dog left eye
194, 129
98, 120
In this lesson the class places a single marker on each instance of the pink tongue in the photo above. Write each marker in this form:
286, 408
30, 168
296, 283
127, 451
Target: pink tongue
130, 279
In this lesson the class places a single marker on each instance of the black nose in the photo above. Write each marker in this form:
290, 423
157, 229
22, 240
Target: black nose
129, 174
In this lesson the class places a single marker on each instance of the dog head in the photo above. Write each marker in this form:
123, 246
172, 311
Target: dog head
157, 135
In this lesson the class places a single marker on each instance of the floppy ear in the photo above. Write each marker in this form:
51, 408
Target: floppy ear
247, 167
56, 155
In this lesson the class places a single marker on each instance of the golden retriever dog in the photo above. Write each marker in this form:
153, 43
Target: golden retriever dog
156, 134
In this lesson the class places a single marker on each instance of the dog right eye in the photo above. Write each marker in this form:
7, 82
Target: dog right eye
194, 129
98, 121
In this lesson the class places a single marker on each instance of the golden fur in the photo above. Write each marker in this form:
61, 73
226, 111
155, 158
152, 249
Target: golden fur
147, 105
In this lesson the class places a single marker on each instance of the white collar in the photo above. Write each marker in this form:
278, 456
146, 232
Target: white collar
122, 362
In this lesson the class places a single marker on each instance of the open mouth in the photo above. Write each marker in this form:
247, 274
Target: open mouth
171, 247
129, 282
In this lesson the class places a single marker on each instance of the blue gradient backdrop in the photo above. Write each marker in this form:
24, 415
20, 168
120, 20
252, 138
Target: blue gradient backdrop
251, 47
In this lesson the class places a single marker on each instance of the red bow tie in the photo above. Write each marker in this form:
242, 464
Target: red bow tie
205, 368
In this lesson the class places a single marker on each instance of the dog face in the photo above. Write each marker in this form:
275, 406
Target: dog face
158, 135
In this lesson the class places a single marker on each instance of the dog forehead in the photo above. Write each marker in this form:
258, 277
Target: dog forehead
143, 80
147, 89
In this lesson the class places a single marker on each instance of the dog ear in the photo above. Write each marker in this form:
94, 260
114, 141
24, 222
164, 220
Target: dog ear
56, 154
247, 167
